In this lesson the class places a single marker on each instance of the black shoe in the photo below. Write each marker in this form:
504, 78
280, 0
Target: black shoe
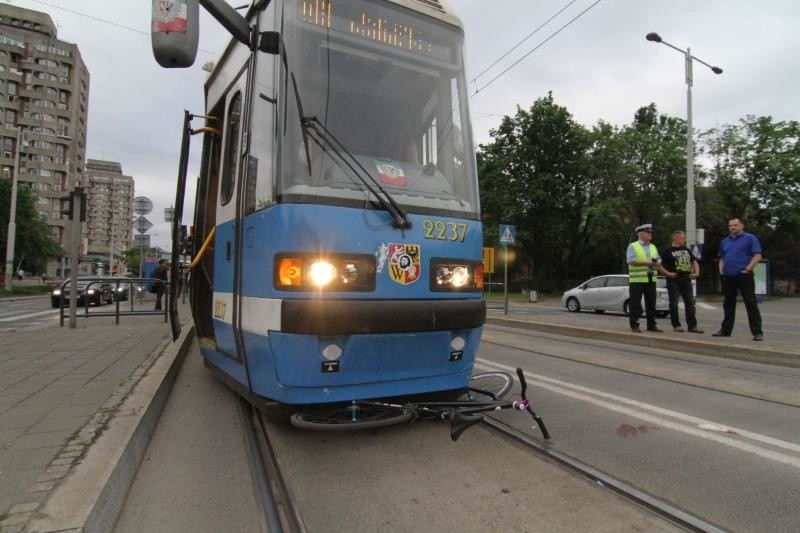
720, 333
695, 330
655, 329
637, 329
758, 337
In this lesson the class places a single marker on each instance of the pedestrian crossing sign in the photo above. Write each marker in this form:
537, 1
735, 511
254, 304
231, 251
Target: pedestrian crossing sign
507, 234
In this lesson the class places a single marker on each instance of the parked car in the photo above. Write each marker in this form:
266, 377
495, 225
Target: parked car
120, 287
97, 292
610, 293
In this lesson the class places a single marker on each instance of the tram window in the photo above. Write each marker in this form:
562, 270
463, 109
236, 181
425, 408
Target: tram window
231, 148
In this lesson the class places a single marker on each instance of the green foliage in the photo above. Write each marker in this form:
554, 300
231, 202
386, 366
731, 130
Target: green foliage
575, 194
756, 176
33, 245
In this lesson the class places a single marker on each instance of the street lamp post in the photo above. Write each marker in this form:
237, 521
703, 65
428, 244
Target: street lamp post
12, 213
691, 220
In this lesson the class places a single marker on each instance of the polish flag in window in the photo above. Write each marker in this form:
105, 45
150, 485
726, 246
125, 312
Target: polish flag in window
390, 173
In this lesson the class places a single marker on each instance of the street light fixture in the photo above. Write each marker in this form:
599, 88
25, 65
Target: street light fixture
691, 220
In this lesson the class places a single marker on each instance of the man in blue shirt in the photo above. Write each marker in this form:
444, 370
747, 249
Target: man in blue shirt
739, 253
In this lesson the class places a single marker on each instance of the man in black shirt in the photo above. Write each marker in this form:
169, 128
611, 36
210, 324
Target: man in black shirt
683, 267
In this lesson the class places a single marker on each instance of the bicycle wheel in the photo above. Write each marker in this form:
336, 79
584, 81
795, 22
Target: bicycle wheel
349, 417
488, 384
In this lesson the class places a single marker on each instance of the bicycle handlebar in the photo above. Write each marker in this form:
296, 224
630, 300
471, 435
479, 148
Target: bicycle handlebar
525, 404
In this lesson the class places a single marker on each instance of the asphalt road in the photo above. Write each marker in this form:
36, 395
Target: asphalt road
716, 437
27, 312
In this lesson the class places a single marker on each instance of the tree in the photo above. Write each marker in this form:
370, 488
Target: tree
533, 175
33, 245
756, 176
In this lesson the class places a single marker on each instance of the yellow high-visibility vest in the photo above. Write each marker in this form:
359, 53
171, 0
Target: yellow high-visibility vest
636, 273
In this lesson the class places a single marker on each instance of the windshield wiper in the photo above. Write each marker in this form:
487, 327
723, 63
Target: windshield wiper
323, 137
314, 129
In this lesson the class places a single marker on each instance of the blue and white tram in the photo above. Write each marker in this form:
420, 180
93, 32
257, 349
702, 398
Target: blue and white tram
339, 181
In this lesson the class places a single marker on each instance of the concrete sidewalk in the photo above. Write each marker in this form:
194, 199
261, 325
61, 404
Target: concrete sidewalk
59, 388
778, 349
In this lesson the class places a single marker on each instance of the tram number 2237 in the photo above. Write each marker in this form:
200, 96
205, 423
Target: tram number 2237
444, 231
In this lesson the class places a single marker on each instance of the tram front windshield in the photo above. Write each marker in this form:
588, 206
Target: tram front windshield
388, 83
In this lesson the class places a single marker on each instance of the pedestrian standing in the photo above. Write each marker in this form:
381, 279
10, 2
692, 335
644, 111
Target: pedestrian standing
160, 273
739, 253
682, 266
643, 265
20, 274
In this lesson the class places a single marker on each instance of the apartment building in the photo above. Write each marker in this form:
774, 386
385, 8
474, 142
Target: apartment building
44, 99
109, 218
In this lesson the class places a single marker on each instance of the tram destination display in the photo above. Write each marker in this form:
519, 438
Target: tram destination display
367, 21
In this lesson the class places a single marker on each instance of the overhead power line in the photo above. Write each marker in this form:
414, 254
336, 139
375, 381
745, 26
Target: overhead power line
531, 34
518, 61
104, 21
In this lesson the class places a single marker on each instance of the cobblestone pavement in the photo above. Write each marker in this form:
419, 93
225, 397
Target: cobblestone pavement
58, 389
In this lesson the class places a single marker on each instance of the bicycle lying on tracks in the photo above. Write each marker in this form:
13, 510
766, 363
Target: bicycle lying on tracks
484, 394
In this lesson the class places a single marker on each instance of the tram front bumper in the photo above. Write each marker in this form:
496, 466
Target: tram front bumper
345, 317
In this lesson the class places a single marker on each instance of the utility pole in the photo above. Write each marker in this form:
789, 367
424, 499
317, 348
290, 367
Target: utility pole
12, 214
77, 215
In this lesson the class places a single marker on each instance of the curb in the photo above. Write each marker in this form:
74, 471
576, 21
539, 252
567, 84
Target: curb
93, 495
730, 351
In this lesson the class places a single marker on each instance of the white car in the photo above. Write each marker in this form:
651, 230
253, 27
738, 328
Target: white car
610, 293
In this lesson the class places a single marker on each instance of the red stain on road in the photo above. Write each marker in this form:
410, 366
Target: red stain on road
625, 430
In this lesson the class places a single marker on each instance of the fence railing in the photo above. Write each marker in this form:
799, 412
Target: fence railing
106, 290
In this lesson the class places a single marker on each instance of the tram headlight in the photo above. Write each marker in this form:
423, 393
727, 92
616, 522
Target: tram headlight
336, 272
456, 276
322, 273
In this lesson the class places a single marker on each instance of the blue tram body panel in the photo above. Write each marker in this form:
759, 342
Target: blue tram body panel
330, 230
397, 360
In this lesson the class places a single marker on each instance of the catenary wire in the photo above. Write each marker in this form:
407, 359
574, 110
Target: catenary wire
551, 36
531, 34
104, 21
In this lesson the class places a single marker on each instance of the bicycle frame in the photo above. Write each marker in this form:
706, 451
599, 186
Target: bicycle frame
463, 414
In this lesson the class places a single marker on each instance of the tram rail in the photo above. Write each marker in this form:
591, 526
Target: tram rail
280, 512
669, 512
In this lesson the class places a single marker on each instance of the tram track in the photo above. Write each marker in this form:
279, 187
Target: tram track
280, 512
663, 509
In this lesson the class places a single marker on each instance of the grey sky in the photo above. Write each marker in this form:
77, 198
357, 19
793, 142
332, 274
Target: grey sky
600, 67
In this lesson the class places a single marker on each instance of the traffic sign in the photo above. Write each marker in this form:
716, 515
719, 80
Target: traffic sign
507, 234
142, 205
142, 224
488, 260
141, 241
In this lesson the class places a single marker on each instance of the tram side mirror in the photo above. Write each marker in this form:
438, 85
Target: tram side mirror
270, 42
175, 31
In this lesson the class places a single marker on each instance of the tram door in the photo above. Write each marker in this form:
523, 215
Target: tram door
227, 239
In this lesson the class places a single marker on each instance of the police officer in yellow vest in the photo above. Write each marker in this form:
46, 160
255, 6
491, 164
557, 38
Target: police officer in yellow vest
643, 265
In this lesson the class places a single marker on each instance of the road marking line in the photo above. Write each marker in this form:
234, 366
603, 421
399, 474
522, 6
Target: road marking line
582, 393
29, 315
706, 306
